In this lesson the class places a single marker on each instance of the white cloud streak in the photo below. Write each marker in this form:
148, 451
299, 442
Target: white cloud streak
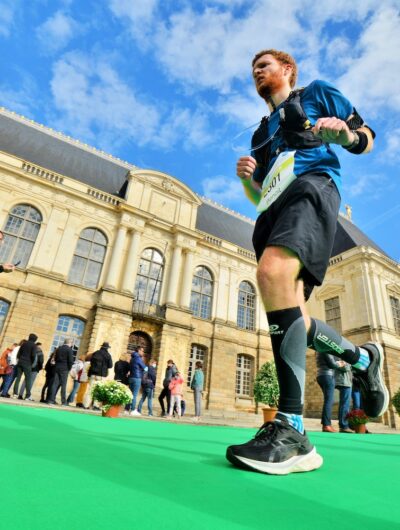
57, 31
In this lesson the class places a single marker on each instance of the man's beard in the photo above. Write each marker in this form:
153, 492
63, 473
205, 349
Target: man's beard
269, 88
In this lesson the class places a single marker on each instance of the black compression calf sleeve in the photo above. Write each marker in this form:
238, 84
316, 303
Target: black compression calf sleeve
324, 339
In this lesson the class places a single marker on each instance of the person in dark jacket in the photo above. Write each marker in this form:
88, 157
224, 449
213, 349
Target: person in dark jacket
170, 372
36, 367
121, 370
64, 359
50, 369
148, 384
100, 362
326, 366
137, 369
26, 359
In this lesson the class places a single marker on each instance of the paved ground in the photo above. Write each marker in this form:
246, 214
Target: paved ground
245, 421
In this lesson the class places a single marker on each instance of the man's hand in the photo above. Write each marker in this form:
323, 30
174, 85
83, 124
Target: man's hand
245, 167
333, 131
8, 267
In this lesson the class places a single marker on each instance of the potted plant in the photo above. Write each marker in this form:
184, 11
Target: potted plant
266, 390
396, 401
112, 395
357, 420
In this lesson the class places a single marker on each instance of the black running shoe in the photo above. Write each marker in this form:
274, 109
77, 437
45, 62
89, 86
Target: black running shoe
276, 449
374, 394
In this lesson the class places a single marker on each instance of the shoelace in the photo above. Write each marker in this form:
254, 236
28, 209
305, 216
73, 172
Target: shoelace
267, 431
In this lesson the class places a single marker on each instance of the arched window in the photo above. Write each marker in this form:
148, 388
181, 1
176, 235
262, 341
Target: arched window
88, 258
197, 353
202, 291
244, 375
149, 277
246, 306
20, 233
68, 328
4, 308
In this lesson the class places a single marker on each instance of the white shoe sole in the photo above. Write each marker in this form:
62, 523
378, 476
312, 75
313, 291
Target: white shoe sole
381, 380
296, 464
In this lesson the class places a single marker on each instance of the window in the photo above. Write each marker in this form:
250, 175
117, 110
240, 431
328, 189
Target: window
4, 307
332, 314
149, 277
246, 306
20, 233
201, 297
244, 375
88, 258
197, 353
68, 328
395, 304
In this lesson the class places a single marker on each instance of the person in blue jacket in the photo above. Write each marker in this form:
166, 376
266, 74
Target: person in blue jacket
137, 369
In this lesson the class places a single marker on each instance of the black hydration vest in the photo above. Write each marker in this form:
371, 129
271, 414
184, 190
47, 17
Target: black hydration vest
294, 129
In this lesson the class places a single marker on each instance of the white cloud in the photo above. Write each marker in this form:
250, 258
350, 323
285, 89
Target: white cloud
369, 185
93, 102
138, 14
7, 11
373, 76
391, 153
223, 189
57, 31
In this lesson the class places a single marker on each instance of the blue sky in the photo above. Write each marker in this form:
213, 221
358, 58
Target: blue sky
167, 84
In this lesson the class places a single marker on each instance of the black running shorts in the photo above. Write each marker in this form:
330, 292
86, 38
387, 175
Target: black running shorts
302, 219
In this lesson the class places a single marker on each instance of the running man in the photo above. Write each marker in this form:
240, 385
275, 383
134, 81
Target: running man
293, 176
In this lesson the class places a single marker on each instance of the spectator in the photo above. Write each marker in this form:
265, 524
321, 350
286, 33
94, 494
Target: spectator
326, 367
197, 386
170, 372
26, 359
121, 370
64, 360
50, 369
6, 370
175, 387
84, 381
343, 382
136, 371
37, 366
356, 394
75, 373
100, 362
148, 385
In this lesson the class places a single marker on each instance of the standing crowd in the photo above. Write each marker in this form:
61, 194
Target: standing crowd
132, 369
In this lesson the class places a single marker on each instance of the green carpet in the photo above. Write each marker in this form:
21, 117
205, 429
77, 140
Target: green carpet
62, 470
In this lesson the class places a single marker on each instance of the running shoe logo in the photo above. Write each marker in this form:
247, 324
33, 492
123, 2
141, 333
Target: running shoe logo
273, 330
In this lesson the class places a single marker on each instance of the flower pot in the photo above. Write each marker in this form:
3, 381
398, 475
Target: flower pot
269, 413
112, 412
360, 428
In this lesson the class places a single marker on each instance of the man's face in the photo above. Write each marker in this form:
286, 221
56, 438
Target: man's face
269, 75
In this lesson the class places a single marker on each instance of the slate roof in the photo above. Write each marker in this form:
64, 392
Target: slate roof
56, 152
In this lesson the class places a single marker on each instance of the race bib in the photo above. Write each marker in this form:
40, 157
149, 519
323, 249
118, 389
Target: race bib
278, 179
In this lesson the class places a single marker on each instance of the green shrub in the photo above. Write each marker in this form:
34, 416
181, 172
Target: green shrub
266, 387
396, 401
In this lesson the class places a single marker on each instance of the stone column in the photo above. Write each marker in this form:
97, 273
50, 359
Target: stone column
116, 258
129, 279
187, 279
174, 275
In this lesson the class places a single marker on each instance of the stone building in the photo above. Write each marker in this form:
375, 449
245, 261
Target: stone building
110, 251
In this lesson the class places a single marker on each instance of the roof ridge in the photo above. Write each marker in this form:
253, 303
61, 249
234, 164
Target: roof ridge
59, 135
215, 204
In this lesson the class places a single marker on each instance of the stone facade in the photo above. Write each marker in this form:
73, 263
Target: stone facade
159, 212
